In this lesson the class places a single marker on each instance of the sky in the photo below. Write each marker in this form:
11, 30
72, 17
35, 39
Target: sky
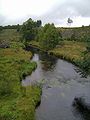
49, 11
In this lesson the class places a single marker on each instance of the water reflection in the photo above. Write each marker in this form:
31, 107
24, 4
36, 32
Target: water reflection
84, 74
81, 108
48, 62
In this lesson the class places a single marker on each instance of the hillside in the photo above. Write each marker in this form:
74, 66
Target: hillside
78, 33
7, 36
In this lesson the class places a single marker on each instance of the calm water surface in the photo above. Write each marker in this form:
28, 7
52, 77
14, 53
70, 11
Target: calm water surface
62, 82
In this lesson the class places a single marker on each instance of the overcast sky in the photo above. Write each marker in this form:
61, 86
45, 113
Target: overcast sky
52, 11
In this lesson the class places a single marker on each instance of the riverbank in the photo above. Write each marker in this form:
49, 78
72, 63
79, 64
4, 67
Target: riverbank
71, 51
17, 102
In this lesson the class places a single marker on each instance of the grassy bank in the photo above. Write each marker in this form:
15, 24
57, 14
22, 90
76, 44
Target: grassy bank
17, 102
72, 51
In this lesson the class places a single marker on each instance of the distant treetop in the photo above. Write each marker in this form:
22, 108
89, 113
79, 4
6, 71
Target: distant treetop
69, 21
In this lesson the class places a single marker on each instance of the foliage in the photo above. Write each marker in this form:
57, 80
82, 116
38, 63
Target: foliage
88, 46
1, 28
29, 29
17, 45
49, 37
18, 28
85, 64
38, 23
12, 26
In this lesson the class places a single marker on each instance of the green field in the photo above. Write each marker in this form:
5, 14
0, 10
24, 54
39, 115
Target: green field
9, 35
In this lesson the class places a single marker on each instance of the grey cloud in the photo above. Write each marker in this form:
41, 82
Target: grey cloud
70, 8
59, 12
5, 21
82, 7
2, 19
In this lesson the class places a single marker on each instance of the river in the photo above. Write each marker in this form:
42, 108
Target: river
61, 83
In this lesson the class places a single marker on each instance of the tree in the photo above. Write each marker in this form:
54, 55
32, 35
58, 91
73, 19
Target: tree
1, 28
49, 37
69, 21
29, 29
18, 27
39, 23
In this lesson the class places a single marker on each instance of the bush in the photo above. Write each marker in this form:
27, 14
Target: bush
29, 29
49, 37
1, 28
86, 63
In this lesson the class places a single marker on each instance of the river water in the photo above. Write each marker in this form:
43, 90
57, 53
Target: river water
61, 83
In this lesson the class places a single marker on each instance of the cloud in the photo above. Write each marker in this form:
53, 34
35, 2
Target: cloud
56, 11
2, 19
75, 9
82, 7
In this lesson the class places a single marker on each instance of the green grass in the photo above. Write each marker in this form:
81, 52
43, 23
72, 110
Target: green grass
34, 43
70, 50
9, 35
21, 107
17, 102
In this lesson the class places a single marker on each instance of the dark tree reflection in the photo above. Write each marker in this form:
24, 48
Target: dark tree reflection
84, 74
48, 62
81, 108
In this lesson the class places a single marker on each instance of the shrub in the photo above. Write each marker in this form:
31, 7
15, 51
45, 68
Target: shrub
86, 63
49, 37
